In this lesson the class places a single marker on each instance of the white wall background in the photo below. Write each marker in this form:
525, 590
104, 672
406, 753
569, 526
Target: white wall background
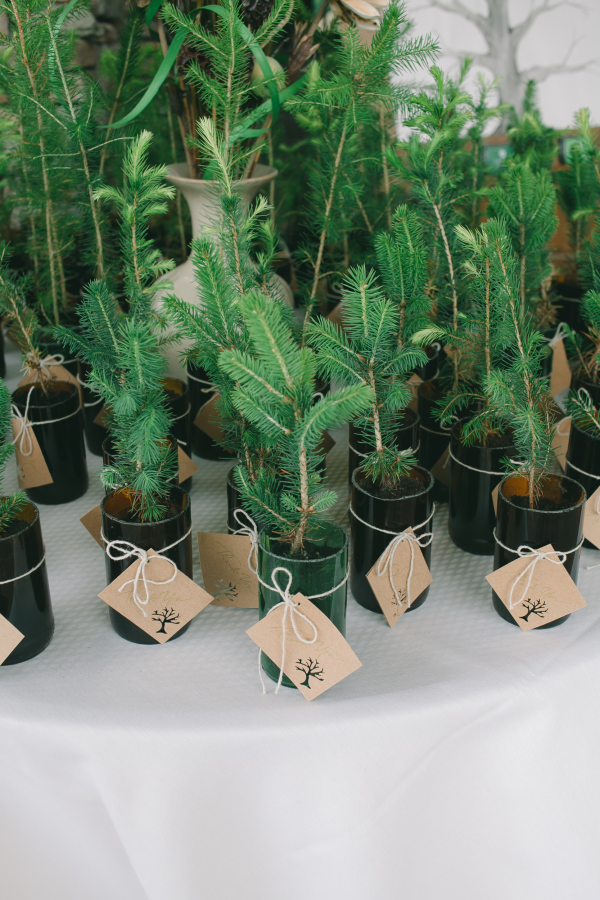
569, 28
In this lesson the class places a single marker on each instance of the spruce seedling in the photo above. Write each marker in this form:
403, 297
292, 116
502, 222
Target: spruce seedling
368, 354
275, 391
23, 324
517, 394
9, 506
124, 350
333, 107
526, 200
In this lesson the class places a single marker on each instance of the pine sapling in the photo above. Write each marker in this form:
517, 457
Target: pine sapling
517, 394
23, 324
10, 507
123, 351
368, 354
275, 391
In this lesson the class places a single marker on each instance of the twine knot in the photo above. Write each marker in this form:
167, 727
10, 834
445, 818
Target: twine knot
386, 560
289, 609
23, 434
559, 335
250, 531
534, 557
125, 550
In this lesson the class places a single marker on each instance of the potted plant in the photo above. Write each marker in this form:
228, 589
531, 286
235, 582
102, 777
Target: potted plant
24, 592
275, 391
47, 407
479, 442
389, 491
143, 506
355, 84
535, 507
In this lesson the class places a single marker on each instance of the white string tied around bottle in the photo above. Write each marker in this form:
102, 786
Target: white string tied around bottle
125, 550
29, 572
24, 434
290, 608
86, 385
211, 387
472, 468
386, 560
535, 556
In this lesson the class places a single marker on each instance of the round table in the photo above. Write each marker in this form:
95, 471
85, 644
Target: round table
459, 763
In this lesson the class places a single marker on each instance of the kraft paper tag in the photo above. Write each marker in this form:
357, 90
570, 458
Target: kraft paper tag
591, 521
381, 587
170, 607
187, 468
562, 433
495, 498
551, 594
313, 668
32, 470
10, 637
224, 563
413, 385
92, 522
561, 373
441, 470
57, 373
208, 420
101, 418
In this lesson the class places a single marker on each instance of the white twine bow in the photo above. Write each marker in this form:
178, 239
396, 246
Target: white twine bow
125, 550
33, 362
559, 335
24, 429
534, 556
289, 609
251, 531
386, 560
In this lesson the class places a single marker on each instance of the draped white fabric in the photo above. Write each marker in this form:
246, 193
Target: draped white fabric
460, 763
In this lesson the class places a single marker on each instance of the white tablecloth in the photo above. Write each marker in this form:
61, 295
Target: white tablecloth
462, 762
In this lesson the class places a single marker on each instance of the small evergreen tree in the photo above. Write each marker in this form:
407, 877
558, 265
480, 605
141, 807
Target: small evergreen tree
526, 200
335, 105
275, 391
226, 269
23, 323
517, 394
9, 506
124, 350
403, 264
368, 353
534, 143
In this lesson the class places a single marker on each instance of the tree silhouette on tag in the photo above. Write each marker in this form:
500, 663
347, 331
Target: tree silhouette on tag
310, 669
534, 607
227, 590
166, 617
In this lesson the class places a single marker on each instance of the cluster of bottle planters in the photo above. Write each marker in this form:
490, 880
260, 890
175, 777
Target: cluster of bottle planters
474, 472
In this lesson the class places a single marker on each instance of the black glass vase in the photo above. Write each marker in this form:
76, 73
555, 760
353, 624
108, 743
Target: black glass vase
324, 566
59, 433
199, 393
430, 370
181, 422
25, 602
475, 471
557, 520
118, 524
432, 437
407, 438
92, 404
50, 347
583, 463
374, 514
578, 382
